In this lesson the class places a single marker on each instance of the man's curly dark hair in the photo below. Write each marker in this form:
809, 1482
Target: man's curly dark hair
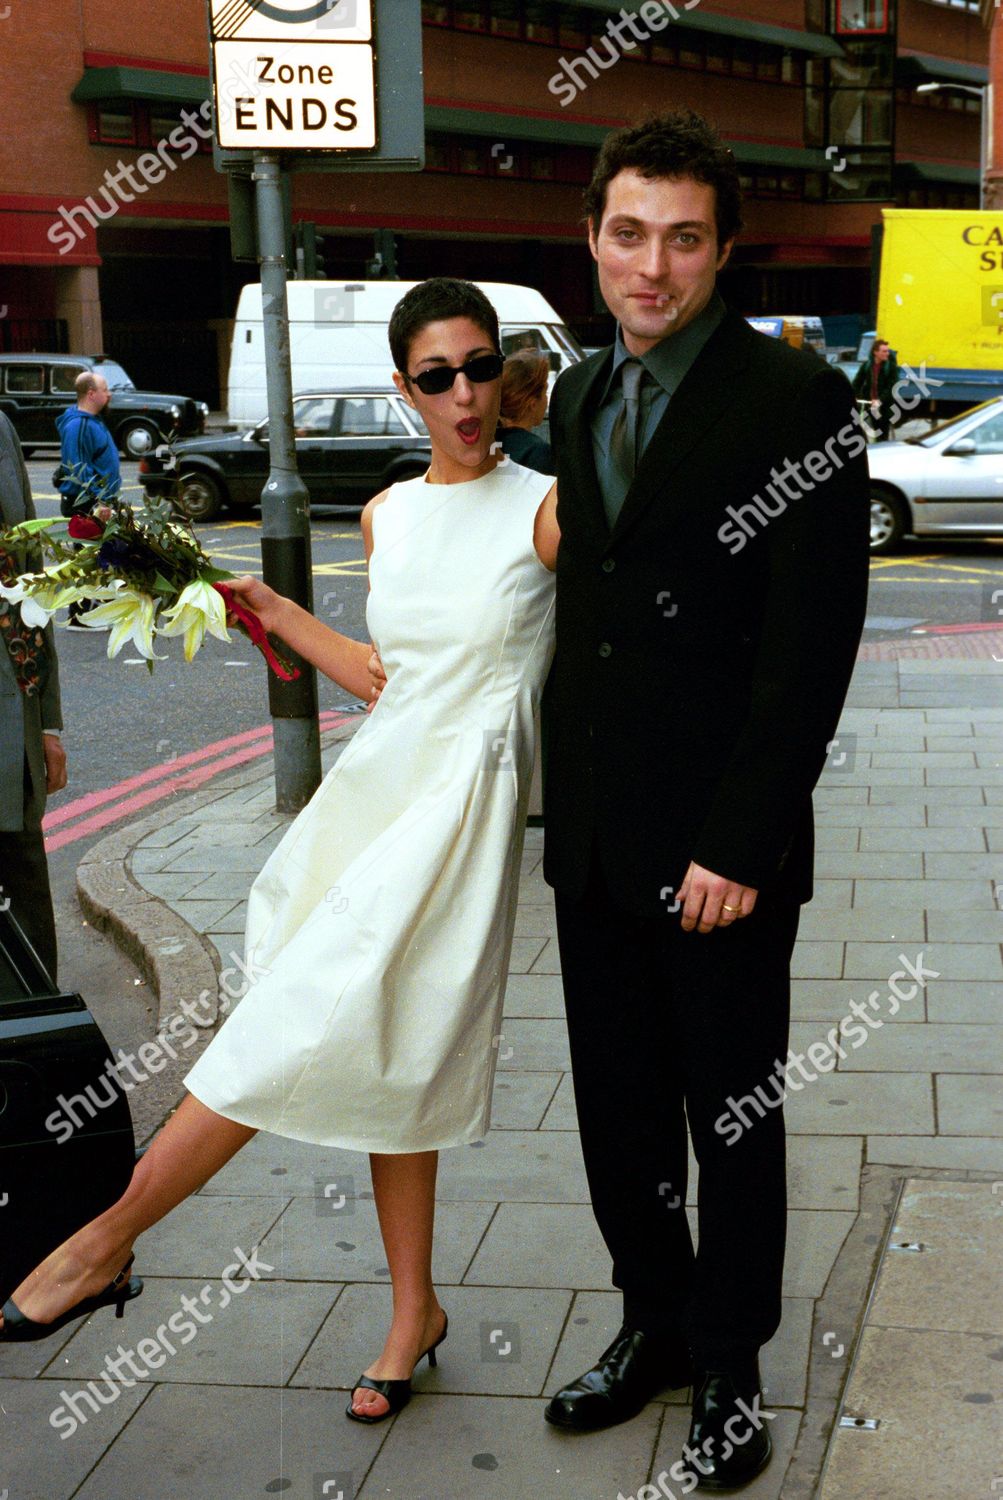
679, 144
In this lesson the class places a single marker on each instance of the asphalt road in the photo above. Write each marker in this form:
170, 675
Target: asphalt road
123, 721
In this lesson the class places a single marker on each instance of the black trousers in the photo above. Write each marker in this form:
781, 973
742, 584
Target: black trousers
24, 875
666, 1027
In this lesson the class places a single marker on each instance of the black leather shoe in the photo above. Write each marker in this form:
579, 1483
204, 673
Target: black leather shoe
729, 1441
634, 1368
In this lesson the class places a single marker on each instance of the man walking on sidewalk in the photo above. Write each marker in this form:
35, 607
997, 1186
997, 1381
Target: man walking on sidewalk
711, 586
89, 469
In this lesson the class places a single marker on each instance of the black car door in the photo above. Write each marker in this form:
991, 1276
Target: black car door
368, 433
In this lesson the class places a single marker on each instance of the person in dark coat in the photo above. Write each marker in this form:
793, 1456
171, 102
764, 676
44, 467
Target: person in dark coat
523, 407
32, 760
875, 383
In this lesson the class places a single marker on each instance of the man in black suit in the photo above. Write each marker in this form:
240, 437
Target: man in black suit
711, 586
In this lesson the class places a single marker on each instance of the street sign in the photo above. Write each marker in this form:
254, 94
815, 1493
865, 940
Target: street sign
294, 75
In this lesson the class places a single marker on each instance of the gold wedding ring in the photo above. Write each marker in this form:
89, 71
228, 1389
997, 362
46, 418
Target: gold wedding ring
726, 907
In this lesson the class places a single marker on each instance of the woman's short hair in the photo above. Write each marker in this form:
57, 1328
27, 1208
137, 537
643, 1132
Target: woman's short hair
524, 380
430, 302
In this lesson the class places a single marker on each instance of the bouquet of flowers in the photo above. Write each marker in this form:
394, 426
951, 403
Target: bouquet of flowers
145, 571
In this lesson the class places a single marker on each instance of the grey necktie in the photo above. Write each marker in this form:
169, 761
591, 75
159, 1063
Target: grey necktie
623, 438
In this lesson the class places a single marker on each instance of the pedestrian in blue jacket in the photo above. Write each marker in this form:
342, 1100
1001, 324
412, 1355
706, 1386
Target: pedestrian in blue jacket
88, 459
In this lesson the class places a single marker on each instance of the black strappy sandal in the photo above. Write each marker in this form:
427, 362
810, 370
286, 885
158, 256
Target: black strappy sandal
17, 1329
397, 1393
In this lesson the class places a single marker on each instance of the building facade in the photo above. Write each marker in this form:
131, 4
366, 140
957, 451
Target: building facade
114, 224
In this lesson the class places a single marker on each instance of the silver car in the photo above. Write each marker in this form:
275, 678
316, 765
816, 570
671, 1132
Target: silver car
947, 483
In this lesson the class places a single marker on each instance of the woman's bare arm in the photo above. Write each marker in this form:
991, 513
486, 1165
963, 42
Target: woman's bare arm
546, 532
344, 660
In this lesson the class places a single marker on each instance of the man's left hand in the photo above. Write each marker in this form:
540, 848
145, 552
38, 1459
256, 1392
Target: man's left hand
55, 763
712, 900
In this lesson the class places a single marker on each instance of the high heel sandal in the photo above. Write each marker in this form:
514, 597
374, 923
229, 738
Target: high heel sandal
17, 1329
397, 1393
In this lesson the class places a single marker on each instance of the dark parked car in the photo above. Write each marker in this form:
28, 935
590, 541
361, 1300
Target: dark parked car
36, 388
350, 444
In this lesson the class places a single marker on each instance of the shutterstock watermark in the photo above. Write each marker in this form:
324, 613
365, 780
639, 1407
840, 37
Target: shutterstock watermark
152, 167
151, 1353
818, 466
653, 16
823, 1054
128, 1069
130, 180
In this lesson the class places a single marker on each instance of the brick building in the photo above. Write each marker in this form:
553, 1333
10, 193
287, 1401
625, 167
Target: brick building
818, 99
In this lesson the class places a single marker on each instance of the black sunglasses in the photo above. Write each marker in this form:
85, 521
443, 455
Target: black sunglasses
481, 368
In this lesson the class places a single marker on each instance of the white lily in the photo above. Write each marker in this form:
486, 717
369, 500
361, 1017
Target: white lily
130, 615
33, 612
199, 609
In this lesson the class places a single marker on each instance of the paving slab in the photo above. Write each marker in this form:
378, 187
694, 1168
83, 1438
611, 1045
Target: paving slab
469, 1447
932, 1047
254, 1337
535, 995
963, 1000
969, 1153
515, 1166
46, 1462
234, 1442
937, 1396
520, 1100
830, 1000
199, 1236
312, 1242
501, 1340
858, 1103
954, 1282
969, 1104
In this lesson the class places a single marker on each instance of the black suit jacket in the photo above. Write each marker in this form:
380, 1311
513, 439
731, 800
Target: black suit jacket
701, 667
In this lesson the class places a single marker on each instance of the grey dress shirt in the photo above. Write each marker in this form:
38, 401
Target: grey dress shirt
667, 363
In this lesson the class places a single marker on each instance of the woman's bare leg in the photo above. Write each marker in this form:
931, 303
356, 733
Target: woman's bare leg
190, 1149
404, 1189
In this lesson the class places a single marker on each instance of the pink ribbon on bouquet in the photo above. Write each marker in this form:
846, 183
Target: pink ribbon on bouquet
252, 624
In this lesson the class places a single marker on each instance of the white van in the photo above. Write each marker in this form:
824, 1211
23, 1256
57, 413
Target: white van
338, 336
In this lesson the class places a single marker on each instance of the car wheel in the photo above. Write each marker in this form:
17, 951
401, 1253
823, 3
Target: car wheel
889, 521
199, 497
137, 439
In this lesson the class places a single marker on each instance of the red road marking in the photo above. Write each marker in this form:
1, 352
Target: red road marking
166, 780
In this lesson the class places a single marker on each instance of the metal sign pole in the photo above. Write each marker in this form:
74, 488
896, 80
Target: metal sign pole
285, 504
299, 85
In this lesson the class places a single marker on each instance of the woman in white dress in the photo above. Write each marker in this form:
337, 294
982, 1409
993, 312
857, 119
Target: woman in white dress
379, 930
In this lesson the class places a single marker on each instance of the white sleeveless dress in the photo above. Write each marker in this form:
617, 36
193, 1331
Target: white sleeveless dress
381, 926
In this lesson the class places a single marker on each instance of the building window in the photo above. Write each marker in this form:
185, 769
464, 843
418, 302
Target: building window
506, 18
114, 127
438, 155
471, 160
540, 23
857, 17
572, 28
470, 15
435, 12
691, 52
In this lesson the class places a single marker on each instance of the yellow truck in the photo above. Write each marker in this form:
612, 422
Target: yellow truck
940, 299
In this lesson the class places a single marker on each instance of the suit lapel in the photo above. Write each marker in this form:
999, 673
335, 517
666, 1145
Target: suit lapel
586, 496
701, 399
